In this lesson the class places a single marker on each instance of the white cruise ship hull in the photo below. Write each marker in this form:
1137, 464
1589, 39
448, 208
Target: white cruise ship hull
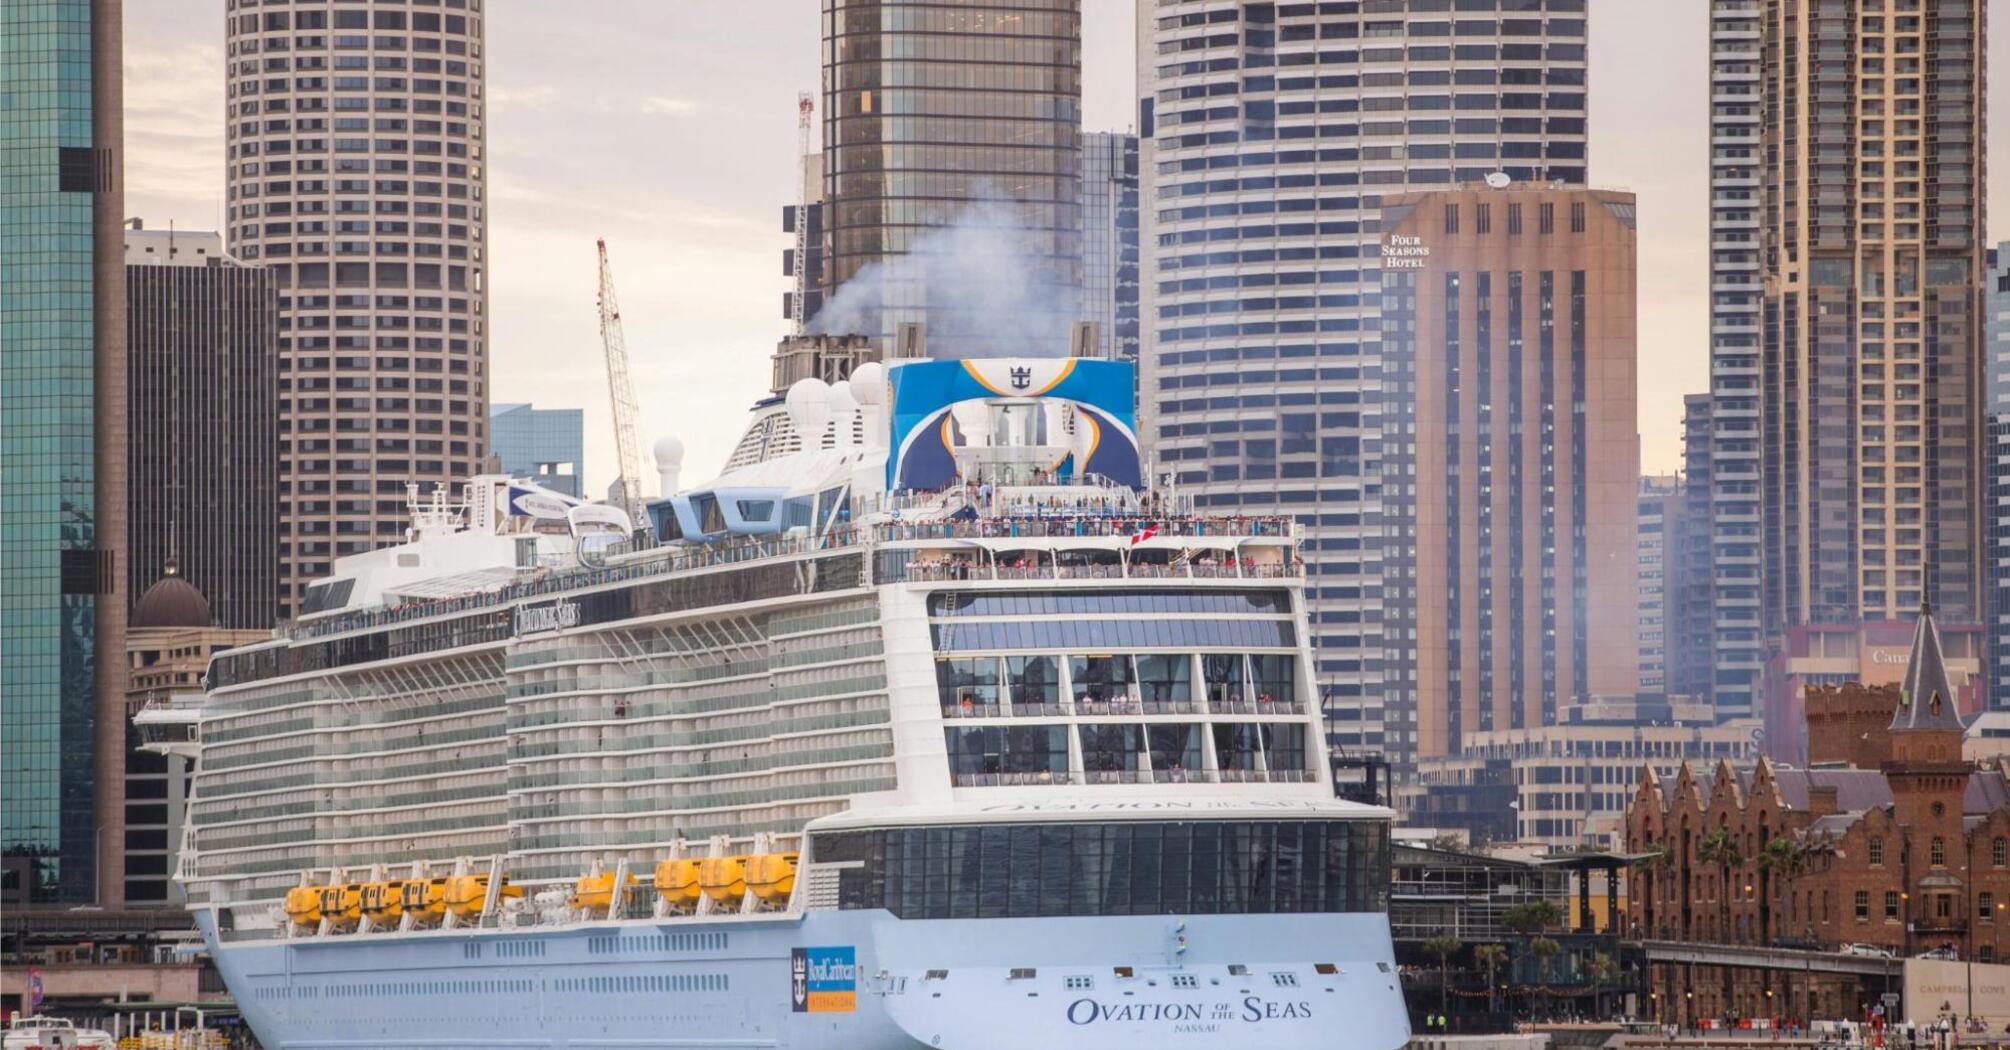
872, 981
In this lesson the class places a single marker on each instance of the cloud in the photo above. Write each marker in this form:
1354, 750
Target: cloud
174, 121
529, 96
656, 105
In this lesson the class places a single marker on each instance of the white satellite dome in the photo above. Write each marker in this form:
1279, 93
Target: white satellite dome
843, 398
668, 451
809, 406
868, 383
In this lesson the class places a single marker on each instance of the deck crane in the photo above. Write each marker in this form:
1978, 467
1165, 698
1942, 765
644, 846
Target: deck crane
627, 450
804, 105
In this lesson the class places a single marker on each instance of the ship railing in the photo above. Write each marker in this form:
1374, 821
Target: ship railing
1039, 778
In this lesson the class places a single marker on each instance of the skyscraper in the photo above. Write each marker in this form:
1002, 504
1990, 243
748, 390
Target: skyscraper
1511, 457
930, 108
1846, 347
202, 334
357, 177
1109, 270
62, 453
545, 445
1269, 134
1996, 472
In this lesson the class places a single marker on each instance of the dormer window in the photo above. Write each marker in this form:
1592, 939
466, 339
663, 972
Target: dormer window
1933, 703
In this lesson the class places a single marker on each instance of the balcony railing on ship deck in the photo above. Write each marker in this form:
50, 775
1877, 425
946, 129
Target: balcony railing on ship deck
672, 560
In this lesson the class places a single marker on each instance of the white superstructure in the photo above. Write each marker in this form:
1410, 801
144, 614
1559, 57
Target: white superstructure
981, 638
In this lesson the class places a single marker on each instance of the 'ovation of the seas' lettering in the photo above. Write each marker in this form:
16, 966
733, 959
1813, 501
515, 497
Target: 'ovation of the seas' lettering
1252, 1009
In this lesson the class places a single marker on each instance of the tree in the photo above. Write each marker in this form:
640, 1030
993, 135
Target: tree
1657, 864
1443, 947
1544, 949
1602, 969
1531, 916
1720, 847
1782, 859
1491, 957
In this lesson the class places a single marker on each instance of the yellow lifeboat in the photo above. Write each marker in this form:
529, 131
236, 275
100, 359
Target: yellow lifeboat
303, 905
384, 902
677, 882
595, 891
772, 876
466, 894
342, 904
425, 899
724, 879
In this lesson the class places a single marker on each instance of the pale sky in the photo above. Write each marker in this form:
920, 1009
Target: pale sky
668, 127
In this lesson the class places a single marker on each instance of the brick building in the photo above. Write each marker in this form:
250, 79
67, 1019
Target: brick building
1888, 838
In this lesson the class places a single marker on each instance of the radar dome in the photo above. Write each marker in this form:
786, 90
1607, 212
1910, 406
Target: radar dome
809, 405
868, 383
669, 451
843, 398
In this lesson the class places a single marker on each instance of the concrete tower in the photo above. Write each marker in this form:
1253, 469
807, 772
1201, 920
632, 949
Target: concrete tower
356, 174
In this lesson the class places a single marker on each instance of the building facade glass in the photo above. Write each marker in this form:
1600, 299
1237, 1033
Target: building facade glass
203, 462
1269, 134
57, 181
545, 445
357, 177
1110, 240
931, 108
1848, 353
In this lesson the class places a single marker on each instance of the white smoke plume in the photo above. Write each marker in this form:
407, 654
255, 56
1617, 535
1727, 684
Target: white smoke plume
988, 291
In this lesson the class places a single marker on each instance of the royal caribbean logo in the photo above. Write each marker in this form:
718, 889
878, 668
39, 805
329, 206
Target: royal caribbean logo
823, 980
531, 619
1022, 378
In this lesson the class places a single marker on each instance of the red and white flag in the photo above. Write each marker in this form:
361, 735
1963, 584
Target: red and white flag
1151, 529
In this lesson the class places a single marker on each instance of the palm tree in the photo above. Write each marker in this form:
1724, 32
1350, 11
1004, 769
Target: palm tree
1720, 847
1443, 947
1532, 917
1782, 858
1602, 969
1544, 949
1657, 863
1491, 957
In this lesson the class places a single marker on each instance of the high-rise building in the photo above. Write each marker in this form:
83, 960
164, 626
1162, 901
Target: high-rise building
62, 453
1269, 134
357, 177
1511, 456
963, 114
1692, 631
1996, 508
1661, 499
1109, 271
202, 338
1846, 338
545, 445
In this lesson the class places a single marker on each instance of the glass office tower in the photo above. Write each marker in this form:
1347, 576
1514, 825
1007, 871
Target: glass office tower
62, 452
1268, 134
964, 114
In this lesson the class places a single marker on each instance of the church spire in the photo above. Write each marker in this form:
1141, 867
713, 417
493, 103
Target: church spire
1926, 697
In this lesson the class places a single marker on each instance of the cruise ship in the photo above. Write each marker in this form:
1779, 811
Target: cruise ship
929, 723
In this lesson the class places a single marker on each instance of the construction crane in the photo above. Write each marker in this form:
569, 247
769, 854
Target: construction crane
627, 450
804, 105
